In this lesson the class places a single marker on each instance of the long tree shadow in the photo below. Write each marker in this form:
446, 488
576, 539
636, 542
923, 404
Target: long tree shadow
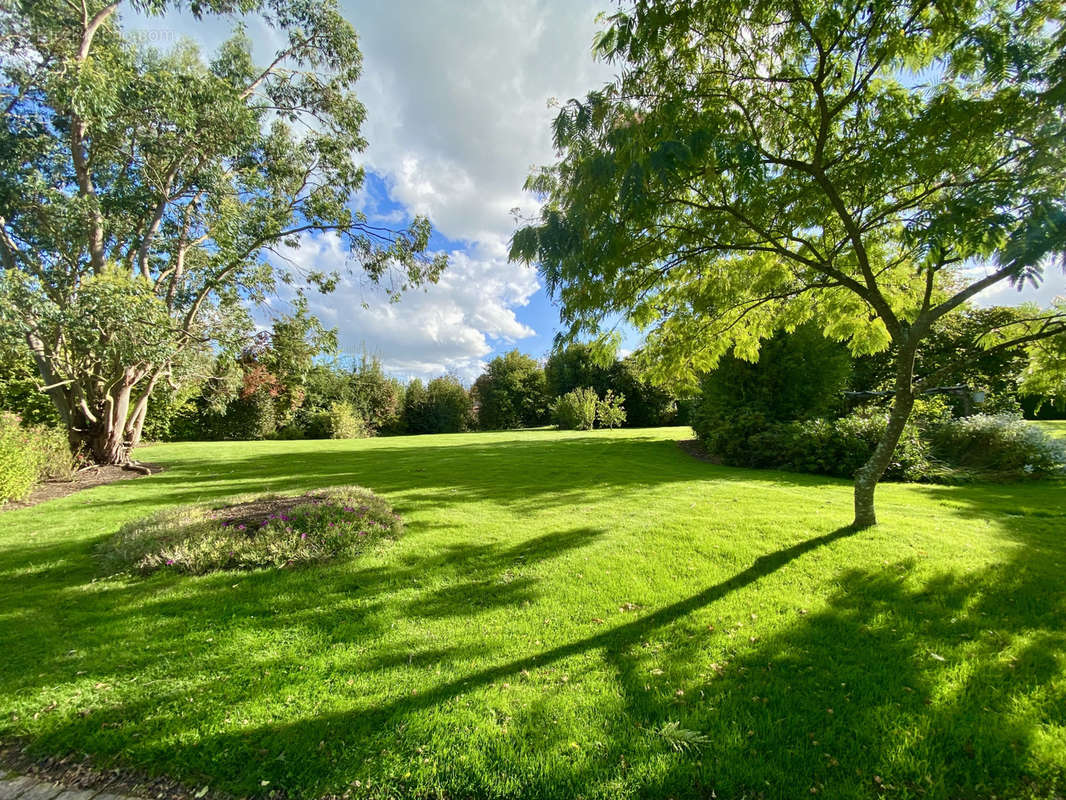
362, 733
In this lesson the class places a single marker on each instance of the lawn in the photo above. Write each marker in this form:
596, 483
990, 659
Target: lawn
1055, 427
567, 615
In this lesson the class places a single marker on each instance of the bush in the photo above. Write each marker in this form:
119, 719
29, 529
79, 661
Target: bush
576, 410
269, 531
799, 375
999, 444
28, 455
345, 422
609, 411
934, 447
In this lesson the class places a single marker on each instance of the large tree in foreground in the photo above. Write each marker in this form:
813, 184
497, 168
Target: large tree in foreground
871, 166
143, 193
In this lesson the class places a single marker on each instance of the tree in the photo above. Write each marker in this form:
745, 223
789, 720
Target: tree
574, 366
448, 406
415, 400
799, 375
997, 373
756, 166
377, 398
511, 393
161, 186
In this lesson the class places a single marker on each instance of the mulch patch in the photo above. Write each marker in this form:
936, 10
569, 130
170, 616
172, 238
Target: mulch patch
695, 449
84, 479
78, 772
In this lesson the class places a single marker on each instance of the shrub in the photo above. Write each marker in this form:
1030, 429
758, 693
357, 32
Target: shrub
19, 464
345, 422
576, 410
28, 455
56, 461
998, 444
934, 447
609, 411
268, 531
799, 375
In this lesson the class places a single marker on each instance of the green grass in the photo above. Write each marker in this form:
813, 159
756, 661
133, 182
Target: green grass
1055, 427
566, 615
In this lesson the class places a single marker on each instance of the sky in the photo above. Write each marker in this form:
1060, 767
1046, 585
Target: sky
459, 107
458, 112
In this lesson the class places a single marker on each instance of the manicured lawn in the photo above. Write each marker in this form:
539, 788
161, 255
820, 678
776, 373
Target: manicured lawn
556, 602
1056, 427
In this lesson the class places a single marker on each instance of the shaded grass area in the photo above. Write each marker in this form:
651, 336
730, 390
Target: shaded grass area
556, 603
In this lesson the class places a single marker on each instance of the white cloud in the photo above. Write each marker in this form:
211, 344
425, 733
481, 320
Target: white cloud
449, 327
457, 114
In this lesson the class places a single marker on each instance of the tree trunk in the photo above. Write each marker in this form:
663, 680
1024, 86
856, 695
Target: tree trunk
870, 473
104, 438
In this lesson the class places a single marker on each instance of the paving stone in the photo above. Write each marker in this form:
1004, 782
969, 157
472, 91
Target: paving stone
41, 790
77, 794
10, 789
109, 797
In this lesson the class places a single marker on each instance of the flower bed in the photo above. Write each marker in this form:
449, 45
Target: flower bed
276, 531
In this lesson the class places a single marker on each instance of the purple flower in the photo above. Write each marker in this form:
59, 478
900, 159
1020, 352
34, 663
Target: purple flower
225, 524
240, 527
303, 535
170, 561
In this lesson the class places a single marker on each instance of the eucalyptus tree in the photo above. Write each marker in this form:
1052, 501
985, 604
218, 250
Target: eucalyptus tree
871, 166
147, 197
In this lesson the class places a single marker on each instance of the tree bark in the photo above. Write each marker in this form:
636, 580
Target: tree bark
870, 473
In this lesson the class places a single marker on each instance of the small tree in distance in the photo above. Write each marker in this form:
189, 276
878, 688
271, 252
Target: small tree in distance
870, 166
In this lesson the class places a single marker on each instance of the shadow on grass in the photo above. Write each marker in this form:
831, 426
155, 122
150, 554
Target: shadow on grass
941, 686
521, 473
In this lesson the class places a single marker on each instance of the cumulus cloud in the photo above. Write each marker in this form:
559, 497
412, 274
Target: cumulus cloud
446, 328
457, 98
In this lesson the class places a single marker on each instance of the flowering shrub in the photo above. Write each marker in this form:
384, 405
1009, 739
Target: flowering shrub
271, 531
1000, 444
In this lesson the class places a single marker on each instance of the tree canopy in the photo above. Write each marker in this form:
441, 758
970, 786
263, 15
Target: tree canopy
163, 191
870, 167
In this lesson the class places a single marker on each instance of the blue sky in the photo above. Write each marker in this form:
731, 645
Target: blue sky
459, 106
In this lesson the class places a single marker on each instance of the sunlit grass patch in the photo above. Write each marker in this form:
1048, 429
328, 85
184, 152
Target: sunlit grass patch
267, 531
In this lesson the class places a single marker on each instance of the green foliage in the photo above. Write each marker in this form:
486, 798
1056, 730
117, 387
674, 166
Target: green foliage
575, 366
377, 398
268, 531
609, 410
998, 445
415, 402
117, 159
576, 410
448, 408
19, 464
647, 405
30, 454
681, 739
511, 393
444, 406
20, 385
342, 421
798, 375
934, 446
581, 365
